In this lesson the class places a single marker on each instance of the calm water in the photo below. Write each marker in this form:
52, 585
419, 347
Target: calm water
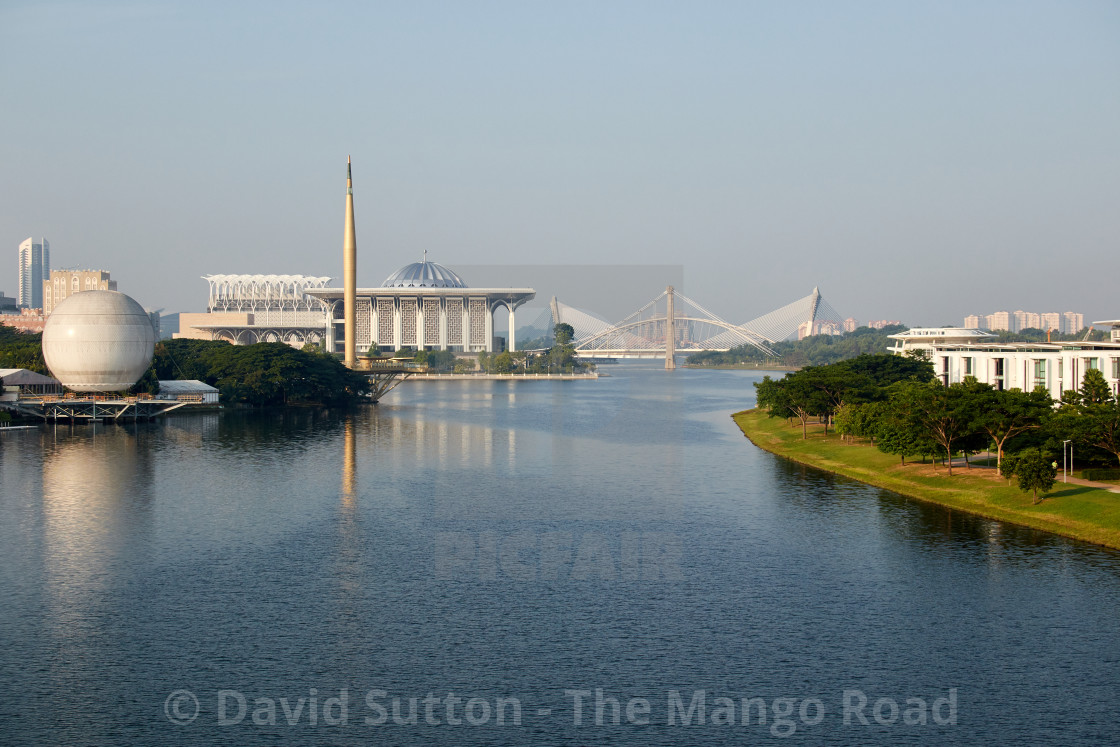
494, 549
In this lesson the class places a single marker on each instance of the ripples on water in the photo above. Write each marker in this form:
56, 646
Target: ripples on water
498, 539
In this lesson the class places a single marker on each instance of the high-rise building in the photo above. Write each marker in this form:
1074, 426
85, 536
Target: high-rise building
64, 283
999, 320
1021, 320
34, 268
851, 324
1017, 321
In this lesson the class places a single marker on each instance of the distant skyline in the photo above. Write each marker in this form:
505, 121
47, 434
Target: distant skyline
915, 161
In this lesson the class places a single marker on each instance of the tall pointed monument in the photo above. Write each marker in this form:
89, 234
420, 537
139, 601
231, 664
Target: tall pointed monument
350, 277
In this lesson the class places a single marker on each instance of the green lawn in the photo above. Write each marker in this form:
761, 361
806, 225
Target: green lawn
1071, 510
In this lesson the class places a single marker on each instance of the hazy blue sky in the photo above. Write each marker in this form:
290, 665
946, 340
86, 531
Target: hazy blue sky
916, 161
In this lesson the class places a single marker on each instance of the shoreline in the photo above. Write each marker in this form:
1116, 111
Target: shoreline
738, 367
502, 377
1087, 514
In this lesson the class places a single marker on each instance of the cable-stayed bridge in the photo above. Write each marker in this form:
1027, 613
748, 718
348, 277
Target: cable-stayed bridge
673, 323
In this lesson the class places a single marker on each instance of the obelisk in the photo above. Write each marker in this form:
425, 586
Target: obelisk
350, 277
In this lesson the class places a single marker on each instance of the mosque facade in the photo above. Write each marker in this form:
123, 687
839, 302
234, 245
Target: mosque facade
424, 306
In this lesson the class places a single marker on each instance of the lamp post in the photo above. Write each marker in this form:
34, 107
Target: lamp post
1065, 473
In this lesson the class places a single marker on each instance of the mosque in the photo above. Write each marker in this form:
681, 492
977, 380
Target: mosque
423, 305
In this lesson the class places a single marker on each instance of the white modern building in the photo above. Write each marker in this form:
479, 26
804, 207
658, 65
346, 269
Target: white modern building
424, 306
958, 352
245, 309
34, 268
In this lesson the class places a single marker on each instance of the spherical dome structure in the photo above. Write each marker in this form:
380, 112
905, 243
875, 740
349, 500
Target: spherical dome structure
98, 341
424, 275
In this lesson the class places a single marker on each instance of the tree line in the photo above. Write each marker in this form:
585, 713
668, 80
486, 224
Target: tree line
819, 350
814, 350
261, 375
22, 350
898, 404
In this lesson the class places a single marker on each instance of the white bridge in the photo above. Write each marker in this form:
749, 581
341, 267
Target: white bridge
673, 323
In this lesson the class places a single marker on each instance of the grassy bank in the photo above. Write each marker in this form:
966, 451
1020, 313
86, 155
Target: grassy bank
1075, 511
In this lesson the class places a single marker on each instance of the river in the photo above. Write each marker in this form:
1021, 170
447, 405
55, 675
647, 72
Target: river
523, 563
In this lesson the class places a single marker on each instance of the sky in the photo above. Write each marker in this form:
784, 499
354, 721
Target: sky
916, 161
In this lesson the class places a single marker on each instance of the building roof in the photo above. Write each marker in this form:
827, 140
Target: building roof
185, 386
25, 377
942, 333
424, 275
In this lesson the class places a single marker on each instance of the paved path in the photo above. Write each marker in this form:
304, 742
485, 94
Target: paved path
958, 463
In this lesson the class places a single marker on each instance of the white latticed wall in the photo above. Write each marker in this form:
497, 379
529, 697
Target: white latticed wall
454, 321
408, 321
478, 322
268, 295
431, 321
364, 323
385, 321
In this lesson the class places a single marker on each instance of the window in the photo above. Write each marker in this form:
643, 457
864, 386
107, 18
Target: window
1116, 368
1040, 372
74, 284
1093, 363
967, 366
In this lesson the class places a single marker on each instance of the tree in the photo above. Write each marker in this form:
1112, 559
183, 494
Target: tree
562, 354
264, 374
1005, 414
885, 369
1008, 466
942, 414
503, 362
895, 427
771, 395
1091, 415
797, 394
1035, 473
22, 350
563, 333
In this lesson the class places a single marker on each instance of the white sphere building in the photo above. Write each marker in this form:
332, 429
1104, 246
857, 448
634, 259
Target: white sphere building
98, 341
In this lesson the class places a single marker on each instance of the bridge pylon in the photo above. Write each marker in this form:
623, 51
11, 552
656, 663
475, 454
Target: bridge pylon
670, 331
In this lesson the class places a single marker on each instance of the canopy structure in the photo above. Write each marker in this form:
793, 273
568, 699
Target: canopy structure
29, 382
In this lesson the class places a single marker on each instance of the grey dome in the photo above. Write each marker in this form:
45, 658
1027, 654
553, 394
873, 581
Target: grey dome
424, 275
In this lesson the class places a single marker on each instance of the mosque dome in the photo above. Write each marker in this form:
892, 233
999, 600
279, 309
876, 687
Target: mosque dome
98, 341
424, 275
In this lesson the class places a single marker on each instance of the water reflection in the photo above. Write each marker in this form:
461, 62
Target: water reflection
97, 507
275, 552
